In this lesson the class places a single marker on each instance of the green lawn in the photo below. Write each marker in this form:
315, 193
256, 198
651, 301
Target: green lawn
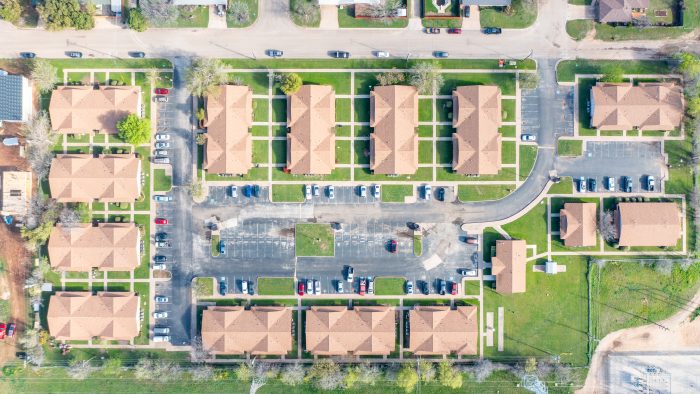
528, 154
425, 110
197, 18
327, 63
279, 110
260, 151
508, 152
276, 286
508, 108
568, 68
342, 152
361, 110
313, 21
555, 304
252, 10
215, 240
257, 81
584, 118
161, 182
342, 110
396, 193
260, 110
207, 285
505, 81
577, 29
389, 286
444, 152
531, 227
144, 223
279, 151
565, 186
417, 244
483, 192
287, 193
346, 19
339, 81
314, 239
569, 147
144, 297
425, 152
523, 13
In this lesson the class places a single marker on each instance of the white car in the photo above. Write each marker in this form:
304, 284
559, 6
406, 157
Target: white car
307, 192
161, 299
162, 137
162, 145
339, 286
351, 274
370, 285
161, 152
409, 287
376, 191
363, 191
427, 192
528, 137
159, 266
161, 338
310, 286
160, 99
317, 287
233, 191
160, 315
244, 286
162, 198
331, 192
161, 160
382, 54
316, 190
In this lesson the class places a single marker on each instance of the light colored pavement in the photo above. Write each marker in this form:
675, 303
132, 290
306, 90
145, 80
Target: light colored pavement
472, 23
329, 18
581, 12
216, 21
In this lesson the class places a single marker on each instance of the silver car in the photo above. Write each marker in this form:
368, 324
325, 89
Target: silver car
161, 152
161, 299
162, 137
160, 315
162, 145
162, 160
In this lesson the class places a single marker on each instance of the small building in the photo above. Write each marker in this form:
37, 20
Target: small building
84, 109
229, 145
508, 266
257, 331
106, 247
394, 143
620, 11
476, 144
578, 224
85, 178
339, 331
647, 106
15, 98
311, 137
442, 330
83, 316
648, 223
551, 268
16, 193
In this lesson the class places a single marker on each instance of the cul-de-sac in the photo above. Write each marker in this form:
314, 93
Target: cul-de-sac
311, 196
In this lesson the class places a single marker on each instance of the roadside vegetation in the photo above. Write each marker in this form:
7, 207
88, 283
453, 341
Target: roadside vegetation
276, 286
579, 28
305, 13
519, 15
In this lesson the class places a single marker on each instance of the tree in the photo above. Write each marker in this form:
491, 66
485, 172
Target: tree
293, 374
351, 377
112, 366
31, 342
202, 373
137, 21
613, 74
384, 9
197, 190
307, 11
158, 12
426, 372
407, 378
198, 354
530, 365
80, 369
159, 370
390, 78
239, 12
448, 376
40, 139
688, 65
65, 14
134, 130
244, 372
484, 368
528, 80
43, 75
694, 106
425, 77
201, 139
326, 375
606, 226
290, 83
10, 10
205, 76
368, 374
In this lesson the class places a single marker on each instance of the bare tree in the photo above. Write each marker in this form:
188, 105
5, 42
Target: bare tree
40, 139
528, 80
69, 217
606, 226
198, 354
205, 76
43, 75
484, 368
293, 374
368, 374
239, 12
202, 373
152, 76
31, 343
326, 375
426, 76
159, 370
306, 11
390, 78
384, 9
244, 372
80, 369
158, 12
260, 376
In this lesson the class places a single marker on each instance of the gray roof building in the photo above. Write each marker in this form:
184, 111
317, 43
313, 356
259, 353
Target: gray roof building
619, 10
15, 98
486, 3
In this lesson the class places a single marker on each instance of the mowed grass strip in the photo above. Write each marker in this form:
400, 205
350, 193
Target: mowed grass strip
161, 182
276, 286
314, 239
287, 193
570, 147
390, 286
483, 192
396, 193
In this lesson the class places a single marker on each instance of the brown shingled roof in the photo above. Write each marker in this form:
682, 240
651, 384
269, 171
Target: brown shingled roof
394, 142
234, 330
311, 137
364, 330
84, 109
577, 224
84, 178
476, 144
618, 10
648, 106
509, 266
82, 316
107, 247
648, 223
229, 144
441, 330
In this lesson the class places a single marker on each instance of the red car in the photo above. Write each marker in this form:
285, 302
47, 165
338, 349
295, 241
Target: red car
161, 221
301, 288
363, 285
11, 330
161, 91
2, 330
454, 288
454, 31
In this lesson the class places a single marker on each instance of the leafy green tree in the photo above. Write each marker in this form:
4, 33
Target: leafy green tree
290, 83
688, 64
43, 75
694, 106
244, 372
239, 12
10, 10
205, 76
351, 377
65, 14
134, 130
37, 236
448, 376
326, 375
613, 74
407, 378
136, 20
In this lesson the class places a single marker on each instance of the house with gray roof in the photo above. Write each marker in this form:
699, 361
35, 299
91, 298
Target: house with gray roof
15, 98
620, 11
486, 3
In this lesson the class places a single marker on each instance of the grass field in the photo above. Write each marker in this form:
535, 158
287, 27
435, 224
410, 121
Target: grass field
396, 193
215, 239
528, 154
161, 182
531, 227
287, 193
389, 286
276, 286
483, 192
523, 14
565, 186
569, 147
207, 286
568, 68
577, 29
362, 80
314, 239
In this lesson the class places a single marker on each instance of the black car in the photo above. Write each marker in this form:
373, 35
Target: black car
426, 288
137, 54
440, 194
27, 55
274, 53
413, 225
627, 182
161, 236
340, 54
592, 185
74, 54
492, 30
247, 191
222, 287
256, 191
160, 259
441, 54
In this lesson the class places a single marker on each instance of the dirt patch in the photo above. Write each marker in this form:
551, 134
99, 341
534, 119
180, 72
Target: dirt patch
16, 257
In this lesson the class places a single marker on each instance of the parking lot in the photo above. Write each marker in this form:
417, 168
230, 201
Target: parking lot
616, 159
530, 112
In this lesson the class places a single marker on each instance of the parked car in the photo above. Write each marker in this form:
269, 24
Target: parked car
161, 299
137, 54
426, 288
161, 330
162, 145
317, 287
223, 286
336, 226
627, 182
611, 183
162, 198
466, 11
331, 192
161, 221
582, 185
528, 137
339, 286
443, 287
413, 226
382, 54
441, 54
274, 53
300, 288
363, 191
376, 191
247, 191
160, 315
74, 54
233, 191
222, 247
244, 286
650, 183
310, 286
256, 190
592, 185
160, 152
363, 284
161, 338
161, 160
340, 54
427, 192
161, 236
162, 137
432, 30
492, 30
454, 30
160, 258
393, 246
2, 330
161, 91
472, 240
163, 244
27, 55
160, 99
350, 274
370, 285
440, 194
409, 287
468, 272
307, 192
316, 190
160, 266
454, 288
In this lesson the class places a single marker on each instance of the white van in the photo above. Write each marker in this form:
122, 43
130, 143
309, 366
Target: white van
161, 330
161, 338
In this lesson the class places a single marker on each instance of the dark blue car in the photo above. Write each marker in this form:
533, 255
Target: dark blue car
247, 190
